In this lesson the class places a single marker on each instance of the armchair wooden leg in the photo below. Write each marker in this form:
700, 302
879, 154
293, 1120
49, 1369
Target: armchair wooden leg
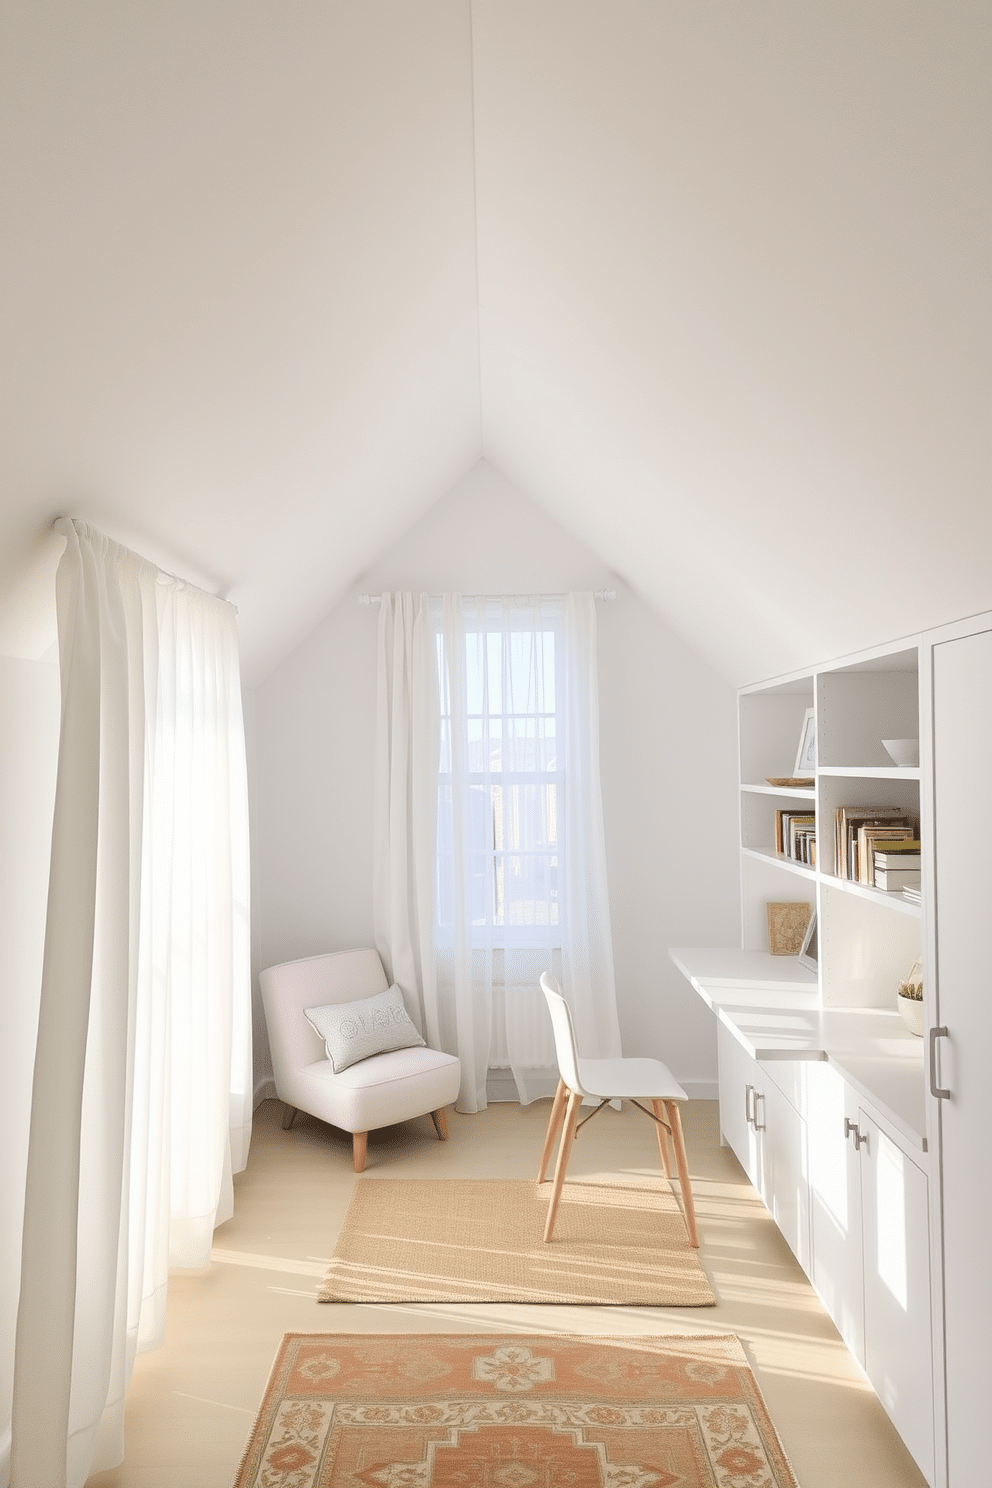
681, 1163
554, 1127
440, 1121
358, 1142
564, 1149
288, 1117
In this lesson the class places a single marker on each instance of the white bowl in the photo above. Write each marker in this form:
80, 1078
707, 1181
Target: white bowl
912, 1013
902, 751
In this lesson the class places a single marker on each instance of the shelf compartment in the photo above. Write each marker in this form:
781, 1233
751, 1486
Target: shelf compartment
859, 706
881, 791
770, 723
865, 949
758, 818
770, 878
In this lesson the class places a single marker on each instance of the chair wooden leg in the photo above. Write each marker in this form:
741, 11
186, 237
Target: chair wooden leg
678, 1142
288, 1117
358, 1143
554, 1127
661, 1132
564, 1149
440, 1121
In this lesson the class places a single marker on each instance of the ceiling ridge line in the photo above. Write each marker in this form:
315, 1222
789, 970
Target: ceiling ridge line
605, 595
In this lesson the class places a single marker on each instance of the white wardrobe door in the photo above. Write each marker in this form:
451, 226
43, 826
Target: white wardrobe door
963, 842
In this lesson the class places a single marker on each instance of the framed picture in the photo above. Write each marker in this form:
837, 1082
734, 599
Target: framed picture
808, 949
806, 758
787, 925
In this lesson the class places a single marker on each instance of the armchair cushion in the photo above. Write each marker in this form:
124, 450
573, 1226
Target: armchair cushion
353, 1031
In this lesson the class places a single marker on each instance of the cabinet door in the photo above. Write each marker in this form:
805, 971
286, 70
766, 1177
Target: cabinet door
895, 1214
962, 730
835, 1202
784, 1184
738, 1072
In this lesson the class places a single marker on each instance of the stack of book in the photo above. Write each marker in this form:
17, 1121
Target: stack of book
795, 835
857, 830
896, 864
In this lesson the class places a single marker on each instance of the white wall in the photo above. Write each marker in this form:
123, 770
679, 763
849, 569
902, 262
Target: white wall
668, 761
29, 728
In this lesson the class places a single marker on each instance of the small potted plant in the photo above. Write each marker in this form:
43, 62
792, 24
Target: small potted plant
910, 999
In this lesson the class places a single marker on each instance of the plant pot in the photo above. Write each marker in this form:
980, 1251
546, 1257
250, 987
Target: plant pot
912, 1013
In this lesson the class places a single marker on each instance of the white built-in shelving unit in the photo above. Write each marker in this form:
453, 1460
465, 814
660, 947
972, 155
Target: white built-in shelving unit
867, 938
822, 1084
867, 1143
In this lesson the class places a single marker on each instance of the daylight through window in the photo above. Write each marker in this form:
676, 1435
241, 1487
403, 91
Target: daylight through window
500, 709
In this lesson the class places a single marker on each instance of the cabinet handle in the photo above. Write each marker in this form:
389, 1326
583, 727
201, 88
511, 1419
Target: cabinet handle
935, 1089
758, 1095
748, 1104
852, 1129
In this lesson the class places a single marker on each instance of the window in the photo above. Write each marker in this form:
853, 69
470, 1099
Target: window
501, 730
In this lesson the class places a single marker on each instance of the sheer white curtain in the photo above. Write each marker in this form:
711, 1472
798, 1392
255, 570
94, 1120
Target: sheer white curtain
141, 1109
490, 856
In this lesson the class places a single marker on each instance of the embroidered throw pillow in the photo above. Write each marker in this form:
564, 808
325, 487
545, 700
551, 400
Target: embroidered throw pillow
356, 1030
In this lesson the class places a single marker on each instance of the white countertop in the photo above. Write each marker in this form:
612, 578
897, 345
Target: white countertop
771, 1005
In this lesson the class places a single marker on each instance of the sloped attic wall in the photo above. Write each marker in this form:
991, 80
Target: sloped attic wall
736, 307
668, 767
709, 280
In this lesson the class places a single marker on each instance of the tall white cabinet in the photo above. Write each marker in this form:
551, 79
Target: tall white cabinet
862, 1138
962, 889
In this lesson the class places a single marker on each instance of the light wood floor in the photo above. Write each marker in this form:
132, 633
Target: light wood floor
192, 1402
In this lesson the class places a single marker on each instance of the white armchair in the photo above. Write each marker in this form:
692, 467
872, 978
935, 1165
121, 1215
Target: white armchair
375, 1092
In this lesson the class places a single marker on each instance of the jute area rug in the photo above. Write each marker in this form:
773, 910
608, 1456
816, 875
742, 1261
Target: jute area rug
477, 1240
486, 1411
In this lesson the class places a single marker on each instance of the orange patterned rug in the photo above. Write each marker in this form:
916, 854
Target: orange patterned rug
520, 1411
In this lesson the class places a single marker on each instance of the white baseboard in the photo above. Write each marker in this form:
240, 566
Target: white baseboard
701, 1089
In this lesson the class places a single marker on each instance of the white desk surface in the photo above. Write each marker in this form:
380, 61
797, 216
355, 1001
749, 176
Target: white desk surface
771, 1006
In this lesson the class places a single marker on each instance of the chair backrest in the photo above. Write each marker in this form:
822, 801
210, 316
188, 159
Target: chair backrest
561, 1024
341, 976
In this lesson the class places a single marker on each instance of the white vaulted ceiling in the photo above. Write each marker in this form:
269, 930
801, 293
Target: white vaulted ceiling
708, 280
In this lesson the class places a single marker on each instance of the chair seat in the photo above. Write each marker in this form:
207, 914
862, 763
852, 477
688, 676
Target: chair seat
380, 1091
610, 1079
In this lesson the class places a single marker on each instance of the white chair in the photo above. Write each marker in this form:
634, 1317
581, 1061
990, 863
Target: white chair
605, 1080
375, 1092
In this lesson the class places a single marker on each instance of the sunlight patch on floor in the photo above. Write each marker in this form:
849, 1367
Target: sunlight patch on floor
266, 1262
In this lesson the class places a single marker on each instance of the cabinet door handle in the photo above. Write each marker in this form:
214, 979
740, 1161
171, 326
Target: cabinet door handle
749, 1104
935, 1090
758, 1095
852, 1129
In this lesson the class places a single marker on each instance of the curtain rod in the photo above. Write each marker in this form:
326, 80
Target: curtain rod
66, 525
604, 594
